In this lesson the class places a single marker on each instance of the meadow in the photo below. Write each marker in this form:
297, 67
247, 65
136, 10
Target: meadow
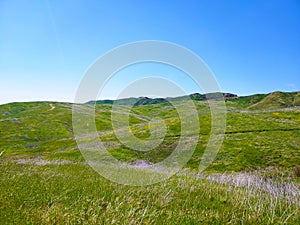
253, 179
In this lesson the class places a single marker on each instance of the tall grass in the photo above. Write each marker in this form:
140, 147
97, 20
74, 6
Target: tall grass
75, 194
276, 195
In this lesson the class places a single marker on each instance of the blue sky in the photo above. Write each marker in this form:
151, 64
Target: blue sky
46, 46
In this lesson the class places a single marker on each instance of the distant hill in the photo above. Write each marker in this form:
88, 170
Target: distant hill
149, 101
277, 100
274, 100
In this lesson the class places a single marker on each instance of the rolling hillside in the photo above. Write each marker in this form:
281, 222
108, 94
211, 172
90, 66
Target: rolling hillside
254, 178
254, 139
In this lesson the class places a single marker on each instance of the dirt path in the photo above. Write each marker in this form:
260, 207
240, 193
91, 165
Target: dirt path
51, 107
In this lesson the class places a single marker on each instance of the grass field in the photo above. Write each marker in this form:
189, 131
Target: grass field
254, 178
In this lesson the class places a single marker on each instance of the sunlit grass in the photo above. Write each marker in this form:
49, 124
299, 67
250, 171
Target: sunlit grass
75, 194
45, 179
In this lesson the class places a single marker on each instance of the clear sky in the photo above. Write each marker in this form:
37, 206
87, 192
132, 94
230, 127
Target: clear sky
46, 46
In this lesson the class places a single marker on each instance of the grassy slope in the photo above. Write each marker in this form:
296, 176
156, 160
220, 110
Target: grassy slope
74, 193
32, 128
252, 140
275, 100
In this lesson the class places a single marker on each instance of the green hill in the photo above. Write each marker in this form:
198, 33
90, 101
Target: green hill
265, 138
274, 100
253, 179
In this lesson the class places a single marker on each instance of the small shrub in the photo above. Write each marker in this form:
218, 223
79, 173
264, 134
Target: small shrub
297, 171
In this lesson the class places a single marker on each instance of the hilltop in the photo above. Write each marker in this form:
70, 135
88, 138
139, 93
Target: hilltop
274, 100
